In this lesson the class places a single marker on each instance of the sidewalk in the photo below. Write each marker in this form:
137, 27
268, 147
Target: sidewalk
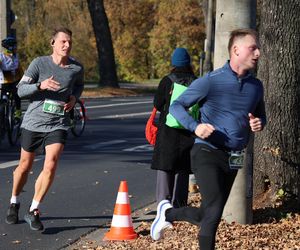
95, 238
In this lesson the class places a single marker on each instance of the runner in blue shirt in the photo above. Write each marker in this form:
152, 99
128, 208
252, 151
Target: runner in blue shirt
233, 107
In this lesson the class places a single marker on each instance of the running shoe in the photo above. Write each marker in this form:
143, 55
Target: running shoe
13, 213
33, 219
160, 223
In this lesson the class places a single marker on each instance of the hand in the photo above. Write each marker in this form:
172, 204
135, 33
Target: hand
255, 123
204, 130
69, 105
50, 84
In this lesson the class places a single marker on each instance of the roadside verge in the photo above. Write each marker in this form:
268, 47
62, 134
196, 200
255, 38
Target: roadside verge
94, 239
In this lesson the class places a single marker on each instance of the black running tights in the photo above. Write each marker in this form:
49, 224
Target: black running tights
215, 179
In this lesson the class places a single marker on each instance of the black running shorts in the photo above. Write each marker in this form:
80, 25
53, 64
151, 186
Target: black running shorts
37, 141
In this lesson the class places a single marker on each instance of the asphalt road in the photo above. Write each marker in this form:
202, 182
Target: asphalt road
82, 198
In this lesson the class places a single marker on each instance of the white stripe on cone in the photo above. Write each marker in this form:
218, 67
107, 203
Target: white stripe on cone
122, 198
121, 221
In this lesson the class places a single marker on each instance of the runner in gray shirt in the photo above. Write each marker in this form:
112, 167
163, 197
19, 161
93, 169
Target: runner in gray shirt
70, 79
52, 84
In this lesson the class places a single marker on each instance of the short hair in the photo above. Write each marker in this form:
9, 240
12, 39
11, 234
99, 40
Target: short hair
63, 30
239, 33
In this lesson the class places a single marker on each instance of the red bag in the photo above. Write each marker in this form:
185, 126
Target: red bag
151, 128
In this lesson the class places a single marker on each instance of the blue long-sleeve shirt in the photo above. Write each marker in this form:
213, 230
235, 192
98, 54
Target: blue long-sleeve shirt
227, 102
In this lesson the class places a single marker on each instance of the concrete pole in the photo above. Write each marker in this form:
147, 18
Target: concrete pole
230, 15
3, 20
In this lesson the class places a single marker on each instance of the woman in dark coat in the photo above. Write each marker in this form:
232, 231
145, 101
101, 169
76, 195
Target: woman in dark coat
171, 157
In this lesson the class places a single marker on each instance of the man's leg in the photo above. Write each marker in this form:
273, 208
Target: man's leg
22, 171
166, 214
46, 177
210, 168
43, 183
215, 181
19, 180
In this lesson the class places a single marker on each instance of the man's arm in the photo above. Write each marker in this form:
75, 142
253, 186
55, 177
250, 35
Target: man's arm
28, 83
76, 92
194, 93
258, 120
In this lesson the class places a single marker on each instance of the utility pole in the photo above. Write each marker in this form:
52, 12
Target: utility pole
230, 15
3, 20
7, 17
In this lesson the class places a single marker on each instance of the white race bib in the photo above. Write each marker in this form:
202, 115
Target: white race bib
236, 159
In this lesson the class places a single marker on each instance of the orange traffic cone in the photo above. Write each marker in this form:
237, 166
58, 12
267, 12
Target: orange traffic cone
121, 226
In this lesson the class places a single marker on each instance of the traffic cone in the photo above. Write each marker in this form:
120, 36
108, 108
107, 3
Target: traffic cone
121, 225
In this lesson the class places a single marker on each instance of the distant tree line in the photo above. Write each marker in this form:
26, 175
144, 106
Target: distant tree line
144, 33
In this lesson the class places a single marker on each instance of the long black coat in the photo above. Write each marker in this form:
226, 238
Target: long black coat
172, 148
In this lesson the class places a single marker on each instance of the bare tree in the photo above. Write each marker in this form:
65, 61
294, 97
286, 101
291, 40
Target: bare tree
277, 150
107, 65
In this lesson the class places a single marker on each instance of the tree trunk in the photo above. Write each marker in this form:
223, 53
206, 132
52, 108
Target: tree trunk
277, 150
107, 65
209, 37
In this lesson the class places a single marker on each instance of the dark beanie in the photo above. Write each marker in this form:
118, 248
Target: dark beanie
180, 58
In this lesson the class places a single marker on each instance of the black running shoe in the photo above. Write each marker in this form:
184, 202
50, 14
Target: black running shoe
33, 219
13, 214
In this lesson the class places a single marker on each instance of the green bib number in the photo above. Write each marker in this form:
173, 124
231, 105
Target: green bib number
53, 107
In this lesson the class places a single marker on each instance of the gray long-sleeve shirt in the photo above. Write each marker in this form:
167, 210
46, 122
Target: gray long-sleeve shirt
71, 83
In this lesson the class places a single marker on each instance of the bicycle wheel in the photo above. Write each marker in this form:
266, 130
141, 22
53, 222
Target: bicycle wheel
78, 119
13, 123
2, 120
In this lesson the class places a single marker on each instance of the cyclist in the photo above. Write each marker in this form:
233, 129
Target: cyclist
53, 83
11, 71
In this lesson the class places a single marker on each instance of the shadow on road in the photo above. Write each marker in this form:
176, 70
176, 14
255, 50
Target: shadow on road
56, 230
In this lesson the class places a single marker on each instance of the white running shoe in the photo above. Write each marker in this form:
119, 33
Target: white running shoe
160, 223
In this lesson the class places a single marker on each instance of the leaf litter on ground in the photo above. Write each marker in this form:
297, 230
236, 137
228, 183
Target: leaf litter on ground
275, 234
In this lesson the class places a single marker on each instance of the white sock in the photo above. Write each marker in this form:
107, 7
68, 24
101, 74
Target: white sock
14, 199
34, 205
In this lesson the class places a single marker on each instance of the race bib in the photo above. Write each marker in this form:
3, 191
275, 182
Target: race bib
236, 159
54, 107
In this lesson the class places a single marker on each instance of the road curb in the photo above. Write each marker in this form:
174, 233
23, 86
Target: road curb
95, 238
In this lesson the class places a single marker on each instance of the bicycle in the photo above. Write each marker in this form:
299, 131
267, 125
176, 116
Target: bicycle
9, 124
78, 118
